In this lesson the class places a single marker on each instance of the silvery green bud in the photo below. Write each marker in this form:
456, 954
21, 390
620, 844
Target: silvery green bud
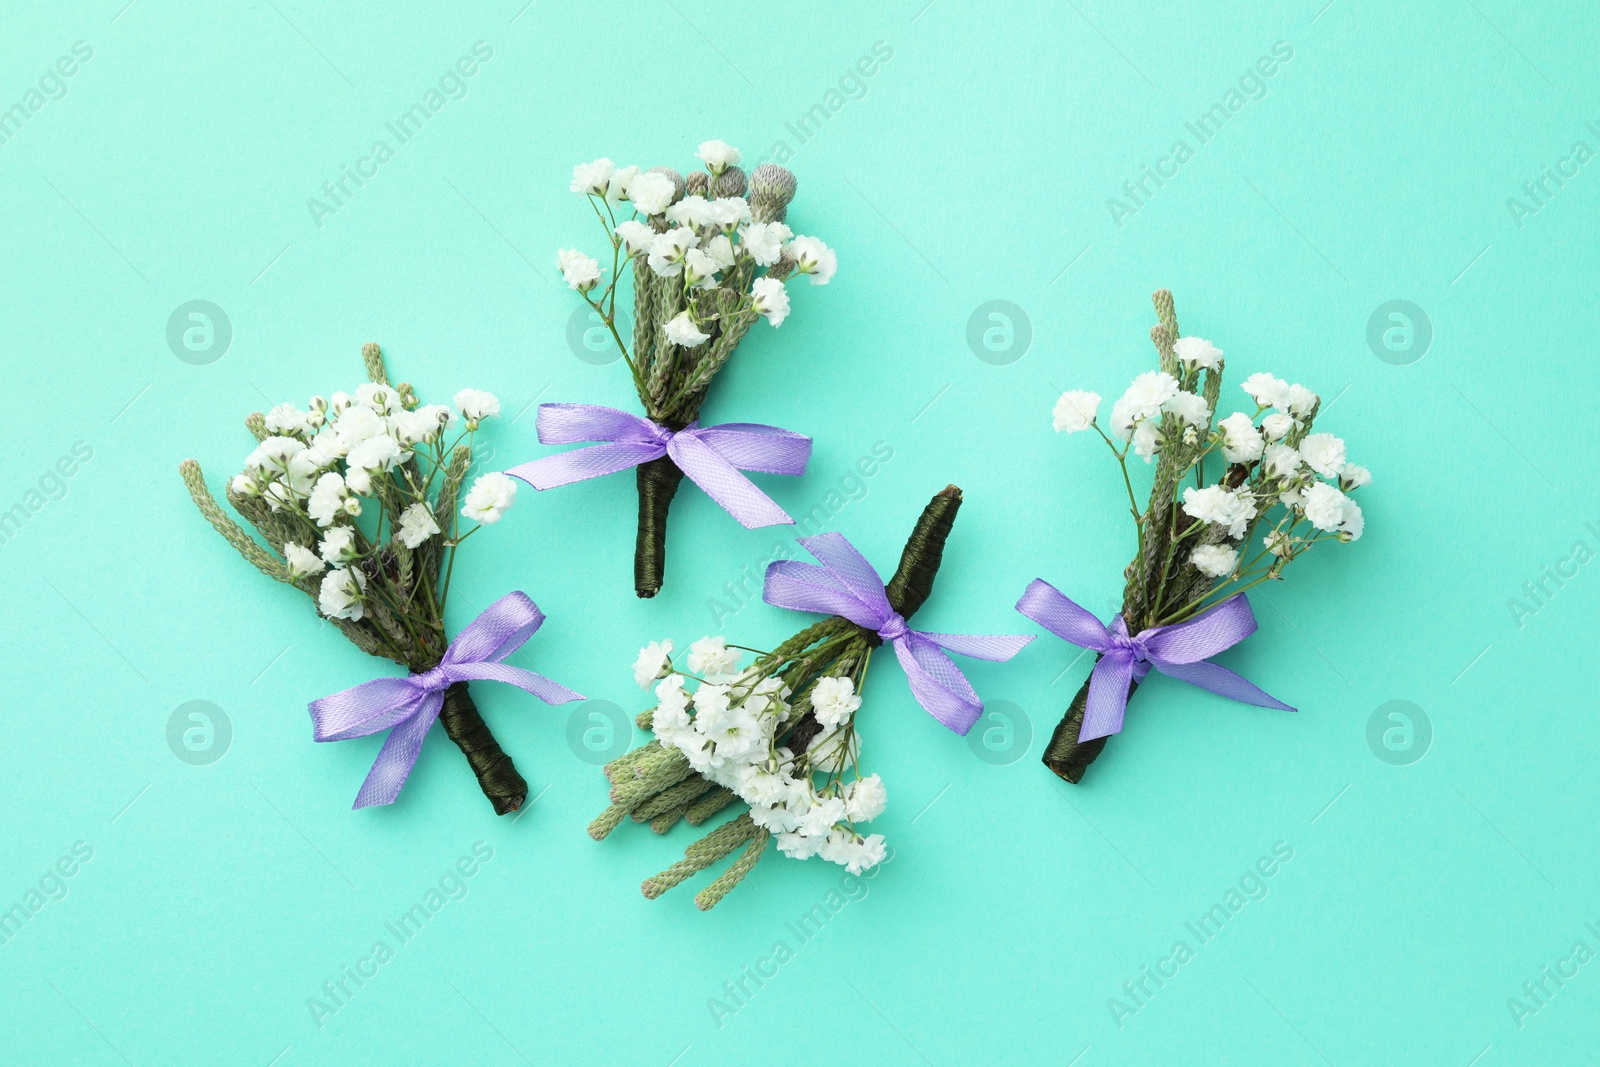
731, 182
771, 189
697, 184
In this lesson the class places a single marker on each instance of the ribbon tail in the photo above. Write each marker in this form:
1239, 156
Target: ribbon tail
581, 464
364, 709
994, 647
723, 482
1223, 682
1108, 696
547, 690
938, 684
1056, 612
396, 758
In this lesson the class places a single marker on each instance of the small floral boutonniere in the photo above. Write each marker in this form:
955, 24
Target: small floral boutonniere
357, 499
709, 256
780, 735
1199, 549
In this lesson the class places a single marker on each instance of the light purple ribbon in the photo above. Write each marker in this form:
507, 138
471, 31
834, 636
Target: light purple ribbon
712, 456
408, 706
1180, 650
846, 585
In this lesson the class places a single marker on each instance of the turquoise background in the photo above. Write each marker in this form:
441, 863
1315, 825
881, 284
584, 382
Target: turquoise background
976, 166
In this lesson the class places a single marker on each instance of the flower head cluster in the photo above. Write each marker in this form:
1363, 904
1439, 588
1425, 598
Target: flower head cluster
740, 729
371, 452
1275, 475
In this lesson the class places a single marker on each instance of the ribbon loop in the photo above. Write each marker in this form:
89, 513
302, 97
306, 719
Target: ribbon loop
1181, 650
713, 457
407, 707
846, 585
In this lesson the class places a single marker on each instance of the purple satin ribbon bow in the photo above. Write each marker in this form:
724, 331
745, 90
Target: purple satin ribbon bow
410, 705
712, 456
1180, 650
847, 585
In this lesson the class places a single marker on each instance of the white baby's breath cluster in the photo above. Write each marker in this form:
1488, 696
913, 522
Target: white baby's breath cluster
1277, 478
728, 725
376, 451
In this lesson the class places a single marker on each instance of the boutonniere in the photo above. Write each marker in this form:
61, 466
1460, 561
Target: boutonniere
709, 255
780, 735
357, 499
1233, 503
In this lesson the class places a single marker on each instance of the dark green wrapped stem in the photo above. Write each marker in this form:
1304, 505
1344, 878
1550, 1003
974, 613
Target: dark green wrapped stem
912, 583
497, 775
658, 484
1065, 754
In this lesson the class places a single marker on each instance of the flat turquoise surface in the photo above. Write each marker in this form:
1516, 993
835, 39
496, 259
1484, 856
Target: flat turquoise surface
1429, 873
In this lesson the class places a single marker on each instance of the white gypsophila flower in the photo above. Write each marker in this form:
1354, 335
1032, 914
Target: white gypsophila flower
699, 269
728, 213
340, 595
736, 732
668, 249
416, 525
375, 455
764, 241
720, 249
1278, 543
1075, 410
1298, 400
414, 427
1276, 426
316, 411
759, 787
637, 235
1265, 389
718, 156
681, 330
327, 448
380, 398
651, 193
338, 402
1280, 461
671, 722
692, 212
1353, 523
865, 799
654, 661
770, 300
1121, 418
834, 700
814, 258
476, 405
1147, 393
1353, 477
579, 271
670, 693
491, 494
820, 819
303, 562
593, 177
797, 846
1324, 506
1241, 441
274, 453
304, 466
1214, 561
621, 181
1190, 407
1291, 499
338, 545
1198, 352
329, 497
244, 485
865, 854
287, 419
711, 699
355, 424
1217, 505
833, 750
710, 657
1147, 439
1323, 453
